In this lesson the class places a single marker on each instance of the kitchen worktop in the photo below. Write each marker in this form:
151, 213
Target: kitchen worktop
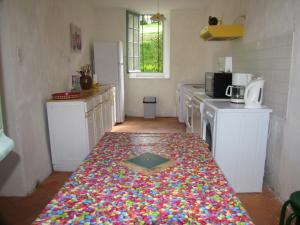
229, 106
86, 94
205, 98
194, 88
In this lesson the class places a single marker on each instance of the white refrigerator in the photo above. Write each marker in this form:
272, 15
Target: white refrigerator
109, 68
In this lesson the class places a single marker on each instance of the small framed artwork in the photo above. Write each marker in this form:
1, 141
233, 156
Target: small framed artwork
76, 43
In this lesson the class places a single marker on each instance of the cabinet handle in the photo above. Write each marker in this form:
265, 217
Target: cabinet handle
88, 114
209, 114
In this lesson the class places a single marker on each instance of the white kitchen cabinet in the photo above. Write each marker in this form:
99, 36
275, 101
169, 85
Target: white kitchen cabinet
239, 143
75, 127
91, 127
113, 106
106, 118
109, 109
98, 128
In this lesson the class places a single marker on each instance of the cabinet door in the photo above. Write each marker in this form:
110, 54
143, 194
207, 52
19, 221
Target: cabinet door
106, 113
241, 141
69, 134
114, 107
98, 122
90, 115
102, 119
110, 110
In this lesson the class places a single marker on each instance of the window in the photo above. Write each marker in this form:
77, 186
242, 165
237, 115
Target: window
133, 46
145, 46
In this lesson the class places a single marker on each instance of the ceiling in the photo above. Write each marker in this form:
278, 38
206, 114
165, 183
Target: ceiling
150, 6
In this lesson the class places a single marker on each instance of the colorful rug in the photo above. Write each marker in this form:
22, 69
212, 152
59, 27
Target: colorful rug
103, 191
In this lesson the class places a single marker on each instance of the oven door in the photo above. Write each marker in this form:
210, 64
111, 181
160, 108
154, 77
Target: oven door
188, 110
196, 117
208, 129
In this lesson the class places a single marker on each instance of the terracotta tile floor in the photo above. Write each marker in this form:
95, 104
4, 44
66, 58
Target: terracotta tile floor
263, 207
23, 210
158, 125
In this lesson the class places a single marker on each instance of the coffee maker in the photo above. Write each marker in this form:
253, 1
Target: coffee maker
237, 90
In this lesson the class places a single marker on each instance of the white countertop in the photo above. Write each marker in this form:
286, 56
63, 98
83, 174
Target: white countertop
194, 88
204, 98
228, 106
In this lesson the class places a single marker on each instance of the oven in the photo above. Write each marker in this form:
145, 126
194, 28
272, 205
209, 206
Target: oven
209, 127
188, 111
197, 110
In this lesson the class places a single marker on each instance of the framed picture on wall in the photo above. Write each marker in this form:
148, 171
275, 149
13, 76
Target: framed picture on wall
76, 42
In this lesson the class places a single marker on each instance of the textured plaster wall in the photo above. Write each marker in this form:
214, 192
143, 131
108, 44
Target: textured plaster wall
287, 180
36, 61
110, 24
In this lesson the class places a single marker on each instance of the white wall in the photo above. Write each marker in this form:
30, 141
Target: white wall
289, 170
36, 61
110, 24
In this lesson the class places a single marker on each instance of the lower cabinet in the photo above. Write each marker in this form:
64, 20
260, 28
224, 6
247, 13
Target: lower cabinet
76, 126
240, 152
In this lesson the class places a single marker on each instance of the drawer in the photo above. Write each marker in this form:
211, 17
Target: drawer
97, 100
94, 101
90, 104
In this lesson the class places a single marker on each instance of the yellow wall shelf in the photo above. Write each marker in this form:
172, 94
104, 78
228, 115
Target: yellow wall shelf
222, 32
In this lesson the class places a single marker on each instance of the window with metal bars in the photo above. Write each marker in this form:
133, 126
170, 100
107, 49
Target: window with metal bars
144, 44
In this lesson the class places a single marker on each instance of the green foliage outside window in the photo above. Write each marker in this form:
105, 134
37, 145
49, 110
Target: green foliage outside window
151, 47
144, 44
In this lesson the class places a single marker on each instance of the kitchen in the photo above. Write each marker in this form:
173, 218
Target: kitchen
36, 60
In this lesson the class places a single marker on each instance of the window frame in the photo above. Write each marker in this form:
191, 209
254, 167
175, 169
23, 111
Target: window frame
134, 14
166, 53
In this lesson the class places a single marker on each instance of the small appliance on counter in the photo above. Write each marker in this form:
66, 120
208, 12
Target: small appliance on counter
216, 84
254, 93
237, 90
225, 64
75, 83
86, 80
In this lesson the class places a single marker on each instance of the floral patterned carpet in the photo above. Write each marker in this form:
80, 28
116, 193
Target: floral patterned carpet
103, 191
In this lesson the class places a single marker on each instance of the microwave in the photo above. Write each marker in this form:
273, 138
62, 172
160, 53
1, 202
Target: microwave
216, 84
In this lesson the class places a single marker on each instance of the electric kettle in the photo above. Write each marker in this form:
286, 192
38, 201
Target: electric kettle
254, 93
